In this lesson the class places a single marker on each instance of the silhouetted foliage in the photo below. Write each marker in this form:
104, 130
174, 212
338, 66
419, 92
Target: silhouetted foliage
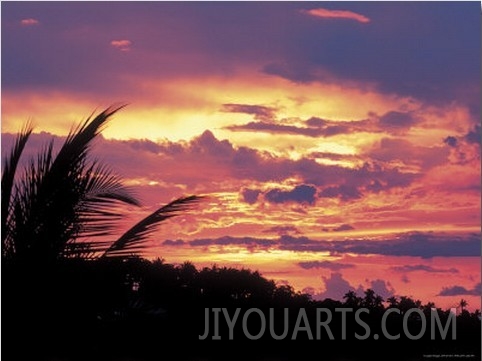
137, 307
59, 206
58, 265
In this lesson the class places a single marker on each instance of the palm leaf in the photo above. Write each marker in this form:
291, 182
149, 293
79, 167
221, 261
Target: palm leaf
79, 139
63, 197
8, 177
61, 200
104, 192
85, 250
131, 241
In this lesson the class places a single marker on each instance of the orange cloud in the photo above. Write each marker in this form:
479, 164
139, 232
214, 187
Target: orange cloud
122, 45
337, 14
29, 22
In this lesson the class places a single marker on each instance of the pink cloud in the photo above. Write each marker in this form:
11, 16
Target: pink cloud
29, 22
337, 14
122, 45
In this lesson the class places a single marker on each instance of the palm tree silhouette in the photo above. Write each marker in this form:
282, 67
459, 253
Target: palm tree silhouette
462, 304
62, 203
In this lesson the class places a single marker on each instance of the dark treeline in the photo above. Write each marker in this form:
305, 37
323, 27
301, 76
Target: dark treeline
114, 308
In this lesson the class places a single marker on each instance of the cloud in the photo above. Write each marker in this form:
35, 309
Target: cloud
316, 122
375, 186
177, 242
122, 45
451, 141
397, 120
299, 194
465, 149
229, 241
295, 72
150, 146
334, 266
335, 287
344, 192
260, 112
327, 131
208, 144
461, 291
387, 150
336, 14
382, 288
474, 135
340, 228
250, 196
275, 129
29, 22
343, 227
234, 165
288, 241
315, 127
413, 244
282, 230
424, 268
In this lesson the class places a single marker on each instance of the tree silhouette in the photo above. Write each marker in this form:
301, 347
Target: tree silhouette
392, 302
59, 206
352, 300
372, 300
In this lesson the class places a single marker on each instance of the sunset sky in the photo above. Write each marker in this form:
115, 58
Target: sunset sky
338, 143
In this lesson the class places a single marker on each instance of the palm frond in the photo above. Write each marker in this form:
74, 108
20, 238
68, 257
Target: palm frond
62, 197
8, 177
85, 250
79, 139
131, 241
104, 192
62, 202
25, 222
